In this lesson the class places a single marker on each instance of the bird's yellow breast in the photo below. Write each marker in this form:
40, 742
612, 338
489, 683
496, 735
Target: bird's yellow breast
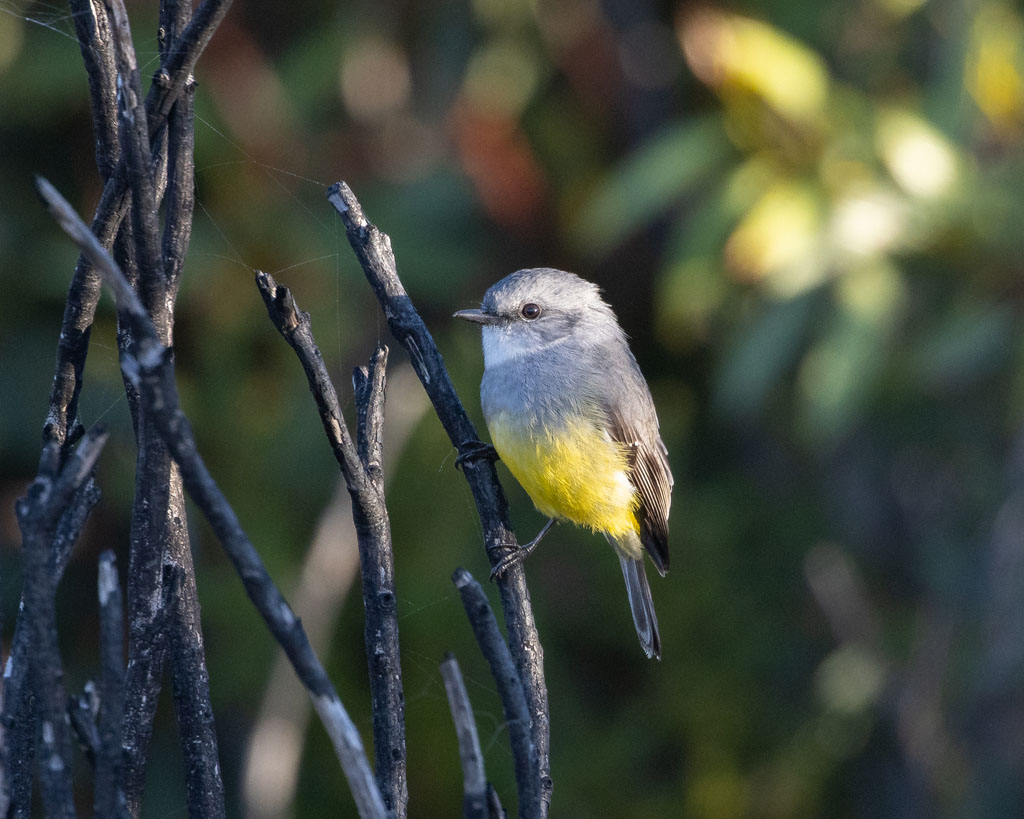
575, 472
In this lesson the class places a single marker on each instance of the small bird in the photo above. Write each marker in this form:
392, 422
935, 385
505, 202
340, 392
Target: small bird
570, 414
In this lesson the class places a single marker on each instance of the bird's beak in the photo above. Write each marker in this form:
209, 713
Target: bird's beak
476, 316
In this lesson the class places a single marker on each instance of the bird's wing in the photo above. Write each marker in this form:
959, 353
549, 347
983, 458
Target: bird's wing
649, 472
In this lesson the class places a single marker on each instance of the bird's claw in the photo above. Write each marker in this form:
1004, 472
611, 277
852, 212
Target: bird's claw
512, 556
475, 450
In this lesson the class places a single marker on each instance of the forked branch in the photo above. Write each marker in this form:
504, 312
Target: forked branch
153, 374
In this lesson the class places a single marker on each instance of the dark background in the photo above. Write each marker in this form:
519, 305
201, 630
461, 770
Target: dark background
808, 217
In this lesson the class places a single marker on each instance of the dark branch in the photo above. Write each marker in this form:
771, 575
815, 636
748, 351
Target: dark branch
180, 196
82, 711
154, 374
474, 780
18, 717
510, 689
373, 250
39, 513
369, 389
94, 39
106, 796
191, 687
159, 533
294, 327
174, 74
135, 143
61, 424
82, 716
361, 468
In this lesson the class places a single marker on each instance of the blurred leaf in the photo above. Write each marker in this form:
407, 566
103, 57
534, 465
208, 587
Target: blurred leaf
738, 55
648, 183
761, 355
839, 373
779, 239
968, 345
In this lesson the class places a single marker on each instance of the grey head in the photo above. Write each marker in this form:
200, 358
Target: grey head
533, 310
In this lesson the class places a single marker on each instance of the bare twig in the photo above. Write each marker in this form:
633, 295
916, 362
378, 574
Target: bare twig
474, 780
510, 689
38, 515
154, 374
361, 467
276, 738
82, 712
373, 249
94, 39
369, 389
189, 675
191, 691
150, 518
108, 753
328, 570
61, 423
135, 144
294, 327
101, 743
180, 197
17, 722
176, 71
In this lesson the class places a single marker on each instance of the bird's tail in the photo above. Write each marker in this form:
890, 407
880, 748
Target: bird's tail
640, 603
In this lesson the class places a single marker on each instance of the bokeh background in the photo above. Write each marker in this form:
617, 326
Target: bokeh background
809, 218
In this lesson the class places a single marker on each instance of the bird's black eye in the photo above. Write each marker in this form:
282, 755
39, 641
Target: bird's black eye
530, 311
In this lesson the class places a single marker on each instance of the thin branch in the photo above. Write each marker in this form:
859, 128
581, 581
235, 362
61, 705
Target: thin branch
373, 249
82, 717
175, 73
510, 688
360, 466
102, 744
94, 39
377, 567
158, 530
474, 780
39, 513
108, 753
61, 425
90, 247
369, 389
147, 652
154, 374
180, 198
191, 691
136, 147
82, 713
294, 327
180, 202
17, 722
325, 580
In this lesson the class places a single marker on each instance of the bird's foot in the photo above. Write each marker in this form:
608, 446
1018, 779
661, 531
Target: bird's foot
514, 555
473, 451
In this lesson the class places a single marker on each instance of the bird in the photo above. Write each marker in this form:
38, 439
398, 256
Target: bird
571, 416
